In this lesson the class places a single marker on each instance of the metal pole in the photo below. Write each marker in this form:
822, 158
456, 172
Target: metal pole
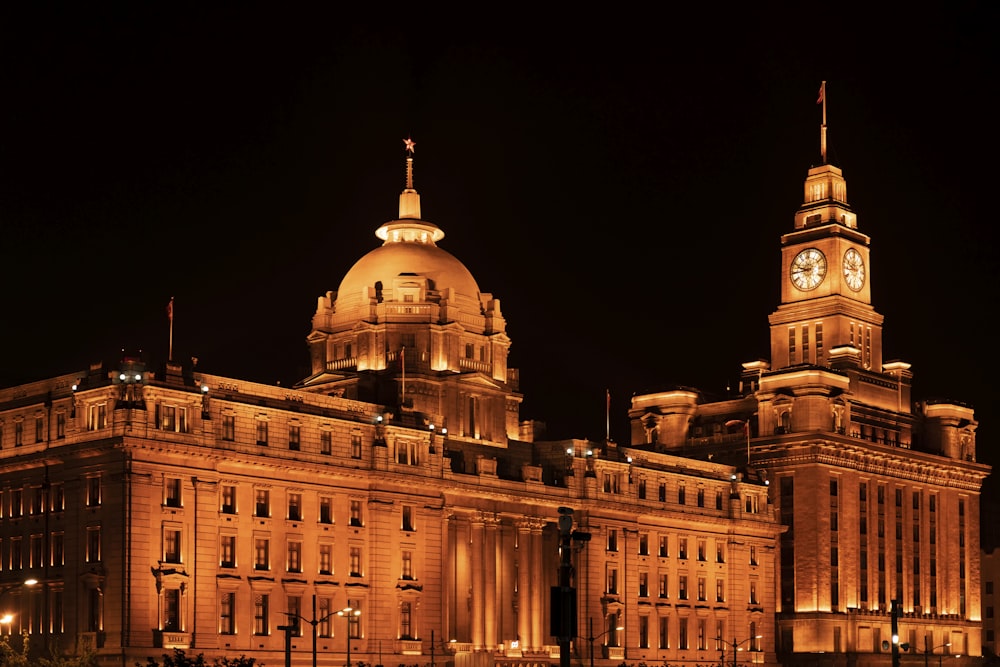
432, 648
590, 637
313, 623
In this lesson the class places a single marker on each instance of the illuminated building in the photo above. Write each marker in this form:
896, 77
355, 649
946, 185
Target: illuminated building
880, 496
181, 509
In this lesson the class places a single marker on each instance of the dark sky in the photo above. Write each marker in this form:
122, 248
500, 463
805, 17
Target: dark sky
620, 182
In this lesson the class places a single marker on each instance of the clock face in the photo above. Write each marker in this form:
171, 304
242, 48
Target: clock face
854, 269
808, 269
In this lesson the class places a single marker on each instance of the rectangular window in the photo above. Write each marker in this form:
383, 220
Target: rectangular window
612, 580
227, 608
171, 545
701, 589
227, 551
57, 496
682, 587
97, 417
61, 425
355, 445
662, 493
644, 632
791, 345
405, 621
172, 492
260, 621
325, 509
355, 557
325, 442
701, 497
229, 428
643, 544
719, 554
682, 548
664, 632
295, 437
644, 584
702, 548
262, 502
294, 616
641, 490
174, 419
262, 558
35, 551
39, 429
38, 501
664, 590
682, 634
753, 554
16, 503
680, 495
294, 556
93, 491
58, 549
93, 544
664, 551
15, 553
295, 506
356, 517
323, 606
326, 559
720, 590
407, 523
354, 619
262, 432
172, 609
753, 592
228, 504
407, 564
702, 639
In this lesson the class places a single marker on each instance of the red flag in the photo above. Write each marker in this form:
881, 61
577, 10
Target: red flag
170, 309
822, 93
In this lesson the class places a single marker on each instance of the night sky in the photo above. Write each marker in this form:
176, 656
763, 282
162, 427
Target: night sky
620, 183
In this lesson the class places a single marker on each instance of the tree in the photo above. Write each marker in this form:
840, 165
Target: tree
181, 659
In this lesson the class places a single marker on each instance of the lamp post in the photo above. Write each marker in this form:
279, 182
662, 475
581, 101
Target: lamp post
591, 638
928, 651
735, 645
7, 618
348, 612
316, 621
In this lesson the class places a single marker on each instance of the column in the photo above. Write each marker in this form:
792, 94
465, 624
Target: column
524, 583
538, 629
478, 584
490, 582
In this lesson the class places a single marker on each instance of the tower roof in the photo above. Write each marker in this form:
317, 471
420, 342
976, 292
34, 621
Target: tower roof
409, 247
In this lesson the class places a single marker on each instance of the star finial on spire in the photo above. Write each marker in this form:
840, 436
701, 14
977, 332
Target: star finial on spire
410, 145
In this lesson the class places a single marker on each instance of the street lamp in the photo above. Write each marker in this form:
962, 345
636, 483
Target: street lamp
7, 618
592, 638
348, 612
736, 647
928, 651
316, 621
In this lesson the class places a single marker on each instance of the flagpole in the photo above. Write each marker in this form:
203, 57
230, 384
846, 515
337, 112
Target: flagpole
607, 417
170, 316
822, 136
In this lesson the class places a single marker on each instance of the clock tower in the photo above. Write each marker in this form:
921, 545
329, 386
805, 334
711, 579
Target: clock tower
825, 316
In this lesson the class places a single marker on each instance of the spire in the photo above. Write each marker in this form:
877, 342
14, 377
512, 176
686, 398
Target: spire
409, 200
409, 226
